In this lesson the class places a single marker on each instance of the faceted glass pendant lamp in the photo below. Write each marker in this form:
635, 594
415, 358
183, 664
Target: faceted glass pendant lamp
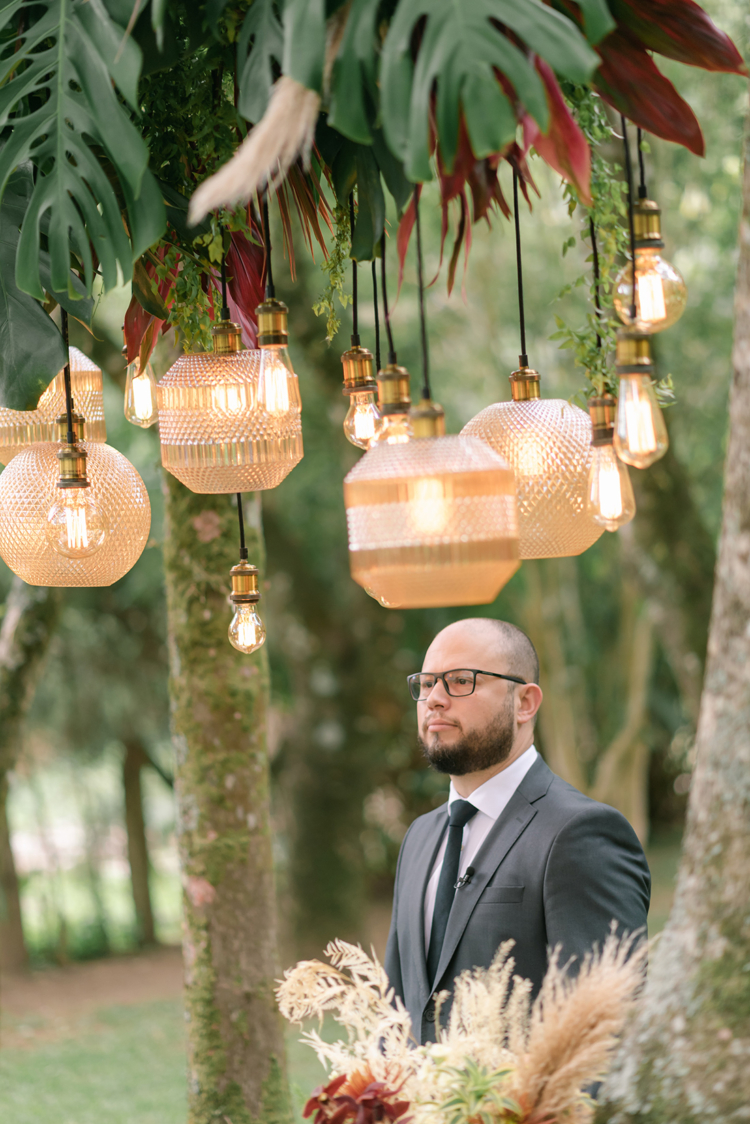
432, 520
46, 536
547, 443
21, 428
228, 422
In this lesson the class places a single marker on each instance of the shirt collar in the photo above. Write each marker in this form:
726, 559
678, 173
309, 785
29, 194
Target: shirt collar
492, 796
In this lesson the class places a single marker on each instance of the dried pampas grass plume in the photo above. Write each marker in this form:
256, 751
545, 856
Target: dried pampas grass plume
285, 131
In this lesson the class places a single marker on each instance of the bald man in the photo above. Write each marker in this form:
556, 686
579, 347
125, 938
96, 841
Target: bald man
516, 852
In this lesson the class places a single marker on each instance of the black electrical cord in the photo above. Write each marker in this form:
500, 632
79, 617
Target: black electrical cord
270, 288
355, 309
631, 225
224, 304
523, 359
422, 319
377, 317
392, 358
597, 301
642, 190
71, 438
241, 518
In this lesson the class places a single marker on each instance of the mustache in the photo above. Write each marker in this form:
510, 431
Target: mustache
436, 715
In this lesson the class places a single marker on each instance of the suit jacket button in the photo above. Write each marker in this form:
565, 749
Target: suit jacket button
429, 1011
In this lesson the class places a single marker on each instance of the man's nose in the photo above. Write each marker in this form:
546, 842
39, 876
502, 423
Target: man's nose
438, 696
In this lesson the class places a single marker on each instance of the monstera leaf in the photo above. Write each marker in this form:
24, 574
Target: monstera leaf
31, 347
57, 93
263, 36
462, 51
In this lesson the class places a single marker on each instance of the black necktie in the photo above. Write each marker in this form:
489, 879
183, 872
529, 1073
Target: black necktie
461, 812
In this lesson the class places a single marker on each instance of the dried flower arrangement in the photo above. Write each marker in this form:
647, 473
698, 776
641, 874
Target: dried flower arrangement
501, 1057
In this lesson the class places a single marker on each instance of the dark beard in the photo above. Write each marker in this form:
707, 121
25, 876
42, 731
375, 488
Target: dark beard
478, 750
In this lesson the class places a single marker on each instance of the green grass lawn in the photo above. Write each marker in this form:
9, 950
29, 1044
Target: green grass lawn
126, 1065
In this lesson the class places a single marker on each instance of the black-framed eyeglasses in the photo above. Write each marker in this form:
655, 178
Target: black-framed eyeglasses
457, 682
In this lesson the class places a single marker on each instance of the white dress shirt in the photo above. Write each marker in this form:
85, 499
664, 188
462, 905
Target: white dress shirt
490, 799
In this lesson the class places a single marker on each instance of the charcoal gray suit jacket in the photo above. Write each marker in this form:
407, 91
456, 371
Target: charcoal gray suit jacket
555, 868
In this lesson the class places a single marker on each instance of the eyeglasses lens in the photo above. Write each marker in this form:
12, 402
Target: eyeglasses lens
457, 682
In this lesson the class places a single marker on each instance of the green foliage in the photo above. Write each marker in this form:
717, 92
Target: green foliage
335, 266
258, 72
475, 1096
59, 75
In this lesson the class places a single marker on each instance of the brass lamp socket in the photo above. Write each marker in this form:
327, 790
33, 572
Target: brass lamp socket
244, 584
79, 426
524, 384
358, 366
393, 390
273, 323
647, 225
602, 414
633, 355
72, 460
227, 337
427, 419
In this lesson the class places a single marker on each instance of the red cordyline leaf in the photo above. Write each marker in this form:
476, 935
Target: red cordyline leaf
141, 328
405, 227
629, 80
245, 282
563, 146
681, 30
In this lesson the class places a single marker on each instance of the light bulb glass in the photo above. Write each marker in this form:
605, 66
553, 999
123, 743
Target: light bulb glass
363, 419
610, 502
660, 292
640, 436
76, 526
246, 631
395, 429
277, 389
431, 498
140, 395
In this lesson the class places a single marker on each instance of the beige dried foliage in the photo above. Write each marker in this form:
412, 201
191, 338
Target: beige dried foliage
550, 1049
285, 132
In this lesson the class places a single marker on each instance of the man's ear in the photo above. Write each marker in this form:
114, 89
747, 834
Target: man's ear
529, 698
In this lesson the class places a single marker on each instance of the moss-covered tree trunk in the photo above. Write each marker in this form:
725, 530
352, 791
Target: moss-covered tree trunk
28, 624
687, 1057
135, 828
218, 701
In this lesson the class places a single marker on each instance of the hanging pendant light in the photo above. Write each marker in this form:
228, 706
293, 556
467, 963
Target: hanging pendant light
610, 502
72, 512
660, 291
431, 518
21, 428
547, 443
640, 436
139, 404
229, 420
246, 632
363, 418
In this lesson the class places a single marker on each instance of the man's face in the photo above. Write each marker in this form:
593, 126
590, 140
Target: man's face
469, 733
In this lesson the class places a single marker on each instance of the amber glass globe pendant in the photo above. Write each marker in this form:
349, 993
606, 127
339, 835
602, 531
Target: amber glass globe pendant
246, 631
140, 394
640, 435
363, 418
431, 518
610, 499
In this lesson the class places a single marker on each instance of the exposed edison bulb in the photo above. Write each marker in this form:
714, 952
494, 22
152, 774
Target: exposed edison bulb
140, 395
430, 505
230, 398
246, 632
363, 418
76, 527
273, 384
610, 501
395, 429
660, 292
640, 436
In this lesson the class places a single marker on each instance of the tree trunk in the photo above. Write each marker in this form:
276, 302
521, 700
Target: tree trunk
30, 619
135, 827
686, 1057
236, 1068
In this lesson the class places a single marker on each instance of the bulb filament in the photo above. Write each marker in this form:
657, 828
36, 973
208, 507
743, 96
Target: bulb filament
143, 399
651, 297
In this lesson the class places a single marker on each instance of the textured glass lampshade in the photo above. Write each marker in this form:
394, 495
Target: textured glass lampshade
28, 491
226, 425
432, 522
547, 443
21, 428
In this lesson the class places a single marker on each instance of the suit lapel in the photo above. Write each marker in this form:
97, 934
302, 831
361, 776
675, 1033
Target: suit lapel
515, 817
414, 906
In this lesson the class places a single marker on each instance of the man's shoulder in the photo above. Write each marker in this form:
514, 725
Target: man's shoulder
568, 807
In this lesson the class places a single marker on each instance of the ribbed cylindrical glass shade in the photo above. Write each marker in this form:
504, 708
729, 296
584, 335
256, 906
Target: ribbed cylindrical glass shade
547, 443
216, 434
432, 522
19, 429
28, 490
